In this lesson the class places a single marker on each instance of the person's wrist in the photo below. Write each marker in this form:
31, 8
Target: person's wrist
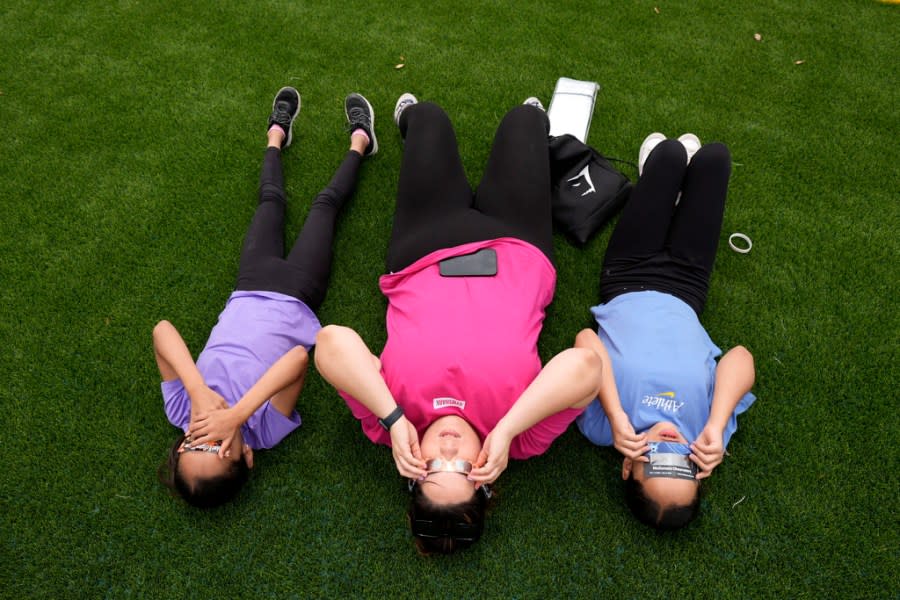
238, 414
389, 420
194, 389
716, 426
620, 417
503, 430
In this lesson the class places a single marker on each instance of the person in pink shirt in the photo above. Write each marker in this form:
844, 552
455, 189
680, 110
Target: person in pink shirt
459, 389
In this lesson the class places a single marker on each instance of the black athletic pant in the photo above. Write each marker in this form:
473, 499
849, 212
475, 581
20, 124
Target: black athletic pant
304, 273
436, 207
657, 245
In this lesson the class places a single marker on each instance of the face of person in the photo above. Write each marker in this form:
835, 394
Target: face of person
449, 438
193, 465
665, 491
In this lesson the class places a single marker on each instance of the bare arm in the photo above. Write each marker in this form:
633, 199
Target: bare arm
345, 361
625, 439
175, 362
283, 377
735, 375
173, 357
570, 380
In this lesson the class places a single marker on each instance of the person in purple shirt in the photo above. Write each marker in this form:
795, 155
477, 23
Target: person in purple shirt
670, 408
241, 393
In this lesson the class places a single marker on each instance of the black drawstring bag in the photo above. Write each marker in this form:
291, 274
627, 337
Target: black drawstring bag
587, 189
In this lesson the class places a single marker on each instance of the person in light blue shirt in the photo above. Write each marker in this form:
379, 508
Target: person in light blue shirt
669, 408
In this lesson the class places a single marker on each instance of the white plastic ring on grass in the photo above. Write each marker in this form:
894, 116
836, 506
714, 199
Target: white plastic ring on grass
743, 238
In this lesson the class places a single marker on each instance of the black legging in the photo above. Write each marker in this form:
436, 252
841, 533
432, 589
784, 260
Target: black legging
659, 246
436, 207
304, 273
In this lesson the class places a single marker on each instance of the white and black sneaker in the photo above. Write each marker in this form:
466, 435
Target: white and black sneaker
650, 142
691, 144
285, 109
361, 116
403, 102
533, 101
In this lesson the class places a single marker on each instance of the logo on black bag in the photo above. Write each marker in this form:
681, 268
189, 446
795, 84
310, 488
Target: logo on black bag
583, 177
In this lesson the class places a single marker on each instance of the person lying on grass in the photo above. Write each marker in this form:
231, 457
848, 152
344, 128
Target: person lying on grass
242, 392
669, 409
459, 388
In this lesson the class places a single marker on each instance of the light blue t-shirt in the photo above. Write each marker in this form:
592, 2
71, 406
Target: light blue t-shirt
664, 364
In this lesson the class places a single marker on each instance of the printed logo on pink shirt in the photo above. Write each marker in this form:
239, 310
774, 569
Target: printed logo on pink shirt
448, 402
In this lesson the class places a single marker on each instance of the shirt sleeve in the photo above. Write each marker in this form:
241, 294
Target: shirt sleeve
369, 422
268, 426
538, 438
176, 403
594, 424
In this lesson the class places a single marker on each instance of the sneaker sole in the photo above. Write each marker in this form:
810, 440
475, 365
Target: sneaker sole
290, 132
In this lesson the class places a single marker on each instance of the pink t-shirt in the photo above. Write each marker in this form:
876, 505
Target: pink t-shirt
467, 346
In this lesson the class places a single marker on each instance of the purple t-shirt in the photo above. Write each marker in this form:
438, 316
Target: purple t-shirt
253, 332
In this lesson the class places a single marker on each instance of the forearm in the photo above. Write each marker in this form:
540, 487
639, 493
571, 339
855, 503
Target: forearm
735, 375
609, 393
345, 362
286, 371
173, 356
570, 380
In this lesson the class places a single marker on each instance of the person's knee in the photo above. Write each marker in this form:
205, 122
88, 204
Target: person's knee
270, 192
669, 150
427, 111
715, 153
525, 116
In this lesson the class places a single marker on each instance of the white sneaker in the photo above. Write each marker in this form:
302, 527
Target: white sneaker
650, 142
691, 144
532, 101
403, 102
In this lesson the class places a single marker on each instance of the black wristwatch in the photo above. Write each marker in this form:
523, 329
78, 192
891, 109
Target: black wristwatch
391, 418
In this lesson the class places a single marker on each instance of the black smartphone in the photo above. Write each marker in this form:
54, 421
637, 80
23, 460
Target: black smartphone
482, 263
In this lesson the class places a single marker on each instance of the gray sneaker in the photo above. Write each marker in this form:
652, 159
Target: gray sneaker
285, 108
403, 102
361, 116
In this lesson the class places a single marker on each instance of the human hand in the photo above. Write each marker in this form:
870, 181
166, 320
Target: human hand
204, 399
406, 450
219, 425
493, 458
707, 451
626, 441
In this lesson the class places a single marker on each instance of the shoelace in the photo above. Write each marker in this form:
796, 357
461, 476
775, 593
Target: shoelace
282, 113
358, 116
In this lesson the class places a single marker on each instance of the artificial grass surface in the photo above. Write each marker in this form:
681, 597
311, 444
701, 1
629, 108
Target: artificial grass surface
132, 140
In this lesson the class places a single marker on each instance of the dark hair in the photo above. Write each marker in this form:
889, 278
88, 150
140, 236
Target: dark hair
470, 512
649, 512
203, 493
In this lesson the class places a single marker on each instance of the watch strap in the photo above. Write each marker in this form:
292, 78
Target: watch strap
391, 418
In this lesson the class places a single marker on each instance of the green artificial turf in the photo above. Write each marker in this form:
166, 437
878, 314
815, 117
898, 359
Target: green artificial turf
131, 135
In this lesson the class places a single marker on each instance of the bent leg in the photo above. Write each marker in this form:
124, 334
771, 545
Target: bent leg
643, 228
697, 224
432, 182
515, 188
